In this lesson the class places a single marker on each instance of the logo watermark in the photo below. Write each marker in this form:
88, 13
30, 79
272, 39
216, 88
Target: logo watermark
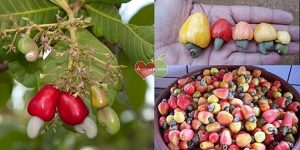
158, 67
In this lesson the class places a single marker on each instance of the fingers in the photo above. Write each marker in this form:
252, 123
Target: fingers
176, 54
169, 17
293, 48
254, 14
231, 47
293, 30
238, 58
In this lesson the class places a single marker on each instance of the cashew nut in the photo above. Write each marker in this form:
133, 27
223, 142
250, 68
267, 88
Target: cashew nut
87, 127
32, 56
34, 126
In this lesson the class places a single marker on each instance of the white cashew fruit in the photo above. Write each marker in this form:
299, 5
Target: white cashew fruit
32, 56
87, 127
34, 126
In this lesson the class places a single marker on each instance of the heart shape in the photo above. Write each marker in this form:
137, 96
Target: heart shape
144, 70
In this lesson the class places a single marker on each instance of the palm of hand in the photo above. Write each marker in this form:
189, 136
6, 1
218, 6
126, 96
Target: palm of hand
168, 25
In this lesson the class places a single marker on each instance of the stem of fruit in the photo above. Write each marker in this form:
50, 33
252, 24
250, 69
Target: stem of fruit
74, 40
193, 49
102, 62
76, 6
218, 43
65, 6
40, 26
282, 48
14, 39
265, 46
243, 44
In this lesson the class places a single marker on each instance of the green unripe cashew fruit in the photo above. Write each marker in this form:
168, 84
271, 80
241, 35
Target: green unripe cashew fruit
26, 45
108, 118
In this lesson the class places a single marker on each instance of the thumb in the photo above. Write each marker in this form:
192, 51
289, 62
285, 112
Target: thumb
169, 16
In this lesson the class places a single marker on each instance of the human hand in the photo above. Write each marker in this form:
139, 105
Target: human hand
171, 14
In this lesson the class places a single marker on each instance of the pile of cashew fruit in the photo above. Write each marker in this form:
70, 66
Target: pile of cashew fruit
228, 110
72, 111
196, 35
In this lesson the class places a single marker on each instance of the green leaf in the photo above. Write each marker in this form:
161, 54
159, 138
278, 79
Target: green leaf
39, 11
6, 86
97, 71
143, 31
135, 86
29, 93
135, 42
106, 1
145, 12
25, 72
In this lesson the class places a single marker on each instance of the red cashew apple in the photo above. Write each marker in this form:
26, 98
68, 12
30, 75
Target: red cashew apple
173, 102
287, 122
183, 103
269, 139
221, 31
163, 107
162, 120
238, 111
166, 136
184, 125
294, 106
42, 107
270, 115
201, 87
225, 139
248, 113
228, 77
282, 146
183, 81
74, 112
221, 93
203, 135
71, 109
186, 134
205, 117
214, 137
183, 145
233, 147
294, 118
174, 137
189, 88
281, 102
269, 129
196, 124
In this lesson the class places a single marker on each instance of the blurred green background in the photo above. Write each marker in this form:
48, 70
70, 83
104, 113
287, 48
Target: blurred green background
134, 110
